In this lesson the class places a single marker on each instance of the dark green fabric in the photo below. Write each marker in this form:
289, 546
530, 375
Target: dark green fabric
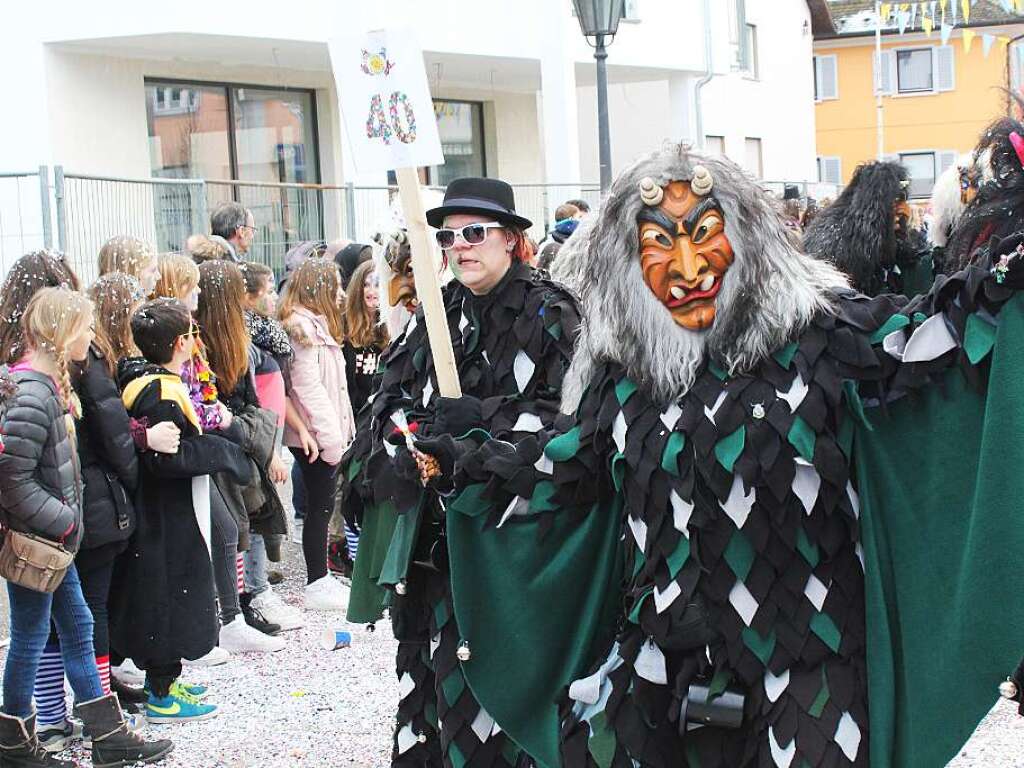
534, 610
367, 599
941, 483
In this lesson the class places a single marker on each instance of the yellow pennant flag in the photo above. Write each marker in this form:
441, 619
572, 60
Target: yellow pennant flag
1003, 40
926, 22
942, 5
965, 6
968, 39
904, 7
886, 8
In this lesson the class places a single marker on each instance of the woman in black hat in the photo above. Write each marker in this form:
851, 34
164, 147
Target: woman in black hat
513, 334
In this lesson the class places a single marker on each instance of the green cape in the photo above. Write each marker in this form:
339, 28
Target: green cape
534, 610
940, 486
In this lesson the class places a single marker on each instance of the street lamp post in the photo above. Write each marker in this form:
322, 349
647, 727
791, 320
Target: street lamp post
599, 19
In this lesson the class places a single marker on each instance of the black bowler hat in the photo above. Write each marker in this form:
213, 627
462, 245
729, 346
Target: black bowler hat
488, 197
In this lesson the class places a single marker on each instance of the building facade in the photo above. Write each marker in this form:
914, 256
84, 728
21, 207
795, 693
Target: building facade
244, 92
937, 95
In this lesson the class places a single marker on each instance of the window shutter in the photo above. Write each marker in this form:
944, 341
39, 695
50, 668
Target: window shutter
888, 72
830, 170
828, 86
944, 160
945, 68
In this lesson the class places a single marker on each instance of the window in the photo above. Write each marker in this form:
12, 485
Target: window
830, 170
923, 168
249, 133
461, 127
742, 40
915, 71
752, 157
715, 145
826, 78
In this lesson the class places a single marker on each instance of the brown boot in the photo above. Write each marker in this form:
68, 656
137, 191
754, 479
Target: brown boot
113, 744
20, 747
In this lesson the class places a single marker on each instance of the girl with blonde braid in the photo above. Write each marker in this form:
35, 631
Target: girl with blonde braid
40, 494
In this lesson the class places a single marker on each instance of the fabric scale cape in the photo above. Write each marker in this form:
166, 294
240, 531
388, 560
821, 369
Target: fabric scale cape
741, 496
512, 348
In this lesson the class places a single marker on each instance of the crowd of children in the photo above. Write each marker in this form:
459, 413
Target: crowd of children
144, 421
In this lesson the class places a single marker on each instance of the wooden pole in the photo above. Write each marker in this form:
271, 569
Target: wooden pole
428, 288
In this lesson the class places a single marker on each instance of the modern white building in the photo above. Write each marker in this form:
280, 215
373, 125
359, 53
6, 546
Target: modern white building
244, 92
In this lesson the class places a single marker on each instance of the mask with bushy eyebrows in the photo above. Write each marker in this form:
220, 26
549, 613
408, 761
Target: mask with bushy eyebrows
684, 252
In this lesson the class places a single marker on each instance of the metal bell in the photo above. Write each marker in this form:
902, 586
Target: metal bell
422, 738
758, 411
1008, 689
400, 588
463, 652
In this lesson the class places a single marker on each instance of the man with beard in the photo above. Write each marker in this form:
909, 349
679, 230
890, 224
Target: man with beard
703, 486
865, 233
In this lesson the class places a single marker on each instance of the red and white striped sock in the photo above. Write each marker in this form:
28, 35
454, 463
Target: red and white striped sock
103, 665
240, 570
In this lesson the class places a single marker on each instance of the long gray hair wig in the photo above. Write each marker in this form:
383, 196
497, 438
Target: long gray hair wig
768, 296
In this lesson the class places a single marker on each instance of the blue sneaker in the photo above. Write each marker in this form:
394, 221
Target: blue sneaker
177, 707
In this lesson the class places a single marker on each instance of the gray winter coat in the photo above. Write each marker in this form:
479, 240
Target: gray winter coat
39, 490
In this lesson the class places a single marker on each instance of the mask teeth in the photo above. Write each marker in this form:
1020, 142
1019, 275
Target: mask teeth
702, 182
650, 192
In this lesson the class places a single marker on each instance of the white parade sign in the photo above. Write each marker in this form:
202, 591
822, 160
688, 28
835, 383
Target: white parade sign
385, 100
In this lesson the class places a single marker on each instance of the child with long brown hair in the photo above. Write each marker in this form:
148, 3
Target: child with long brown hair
39, 269
221, 320
40, 494
312, 313
179, 279
132, 256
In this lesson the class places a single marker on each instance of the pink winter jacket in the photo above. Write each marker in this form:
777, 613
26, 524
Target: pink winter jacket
319, 391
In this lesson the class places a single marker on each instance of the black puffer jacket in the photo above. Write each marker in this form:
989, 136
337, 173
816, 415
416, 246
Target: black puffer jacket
110, 464
39, 486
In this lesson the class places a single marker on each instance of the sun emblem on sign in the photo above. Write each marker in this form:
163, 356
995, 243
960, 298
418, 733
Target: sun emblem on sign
376, 63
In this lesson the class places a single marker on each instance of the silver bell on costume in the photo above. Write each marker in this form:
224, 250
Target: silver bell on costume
464, 653
1008, 689
400, 588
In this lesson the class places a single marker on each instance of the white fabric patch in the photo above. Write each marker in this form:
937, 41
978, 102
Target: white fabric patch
587, 689
663, 600
739, 503
390, 449
528, 422
201, 508
743, 602
795, 395
434, 642
681, 511
410, 327
774, 686
523, 368
544, 464
931, 340
405, 685
671, 416
619, 432
782, 756
486, 358
639, 528
806, 484
710, 412
848, 736
859, 551
894, 344
482, 725
854, 499
463, 321
816, 592
406, 739
650, 664
428, 390
518, 506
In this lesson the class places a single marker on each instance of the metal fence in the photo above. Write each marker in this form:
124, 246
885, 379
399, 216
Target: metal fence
88, 209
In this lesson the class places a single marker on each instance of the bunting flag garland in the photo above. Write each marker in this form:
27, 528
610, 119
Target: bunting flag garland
986, 43
945, 31
968, 38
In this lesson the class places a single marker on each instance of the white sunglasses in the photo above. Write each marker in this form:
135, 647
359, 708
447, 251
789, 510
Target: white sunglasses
471, 234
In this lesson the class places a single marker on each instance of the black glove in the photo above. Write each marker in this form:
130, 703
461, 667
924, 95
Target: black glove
456, 416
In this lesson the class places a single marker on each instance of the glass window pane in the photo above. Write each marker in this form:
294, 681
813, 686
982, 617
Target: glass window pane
914, 70
753, 157
188, 137
274, 135
459, 124
921, 168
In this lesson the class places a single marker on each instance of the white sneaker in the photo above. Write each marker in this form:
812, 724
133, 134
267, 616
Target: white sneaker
128, 673
214, 658
239, 637
326, 594
276, 611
